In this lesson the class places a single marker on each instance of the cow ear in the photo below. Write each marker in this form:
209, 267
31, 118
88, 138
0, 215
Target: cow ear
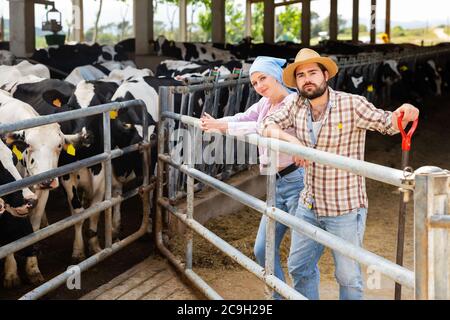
127, 125
14, 138
55, 98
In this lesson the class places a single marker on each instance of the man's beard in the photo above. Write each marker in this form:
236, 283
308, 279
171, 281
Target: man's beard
316, 93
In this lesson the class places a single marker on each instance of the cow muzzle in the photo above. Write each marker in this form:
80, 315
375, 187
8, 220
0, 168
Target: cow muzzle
49, 184
31, 203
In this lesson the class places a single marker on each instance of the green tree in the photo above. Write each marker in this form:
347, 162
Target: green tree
234, 22
258, 22
288, 24
398, 31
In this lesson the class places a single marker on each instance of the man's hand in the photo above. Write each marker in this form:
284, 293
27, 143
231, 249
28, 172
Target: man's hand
299, 161
209, 124
410, 113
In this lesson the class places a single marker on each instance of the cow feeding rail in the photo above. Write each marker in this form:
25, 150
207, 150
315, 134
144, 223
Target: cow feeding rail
219, 96
431, 189
106, 204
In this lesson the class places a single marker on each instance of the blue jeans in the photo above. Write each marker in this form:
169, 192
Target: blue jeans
305, 254
287, 194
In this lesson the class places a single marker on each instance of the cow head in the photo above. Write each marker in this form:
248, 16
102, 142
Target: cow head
389, 72
17, 203
112, 53
41, 148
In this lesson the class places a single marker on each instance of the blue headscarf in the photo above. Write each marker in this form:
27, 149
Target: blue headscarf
269, 66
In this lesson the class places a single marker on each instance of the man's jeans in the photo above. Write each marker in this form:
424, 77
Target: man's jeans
287, 194
305, 254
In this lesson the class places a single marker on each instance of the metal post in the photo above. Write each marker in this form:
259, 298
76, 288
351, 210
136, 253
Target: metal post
108, 177
146, 207
306, 22
248, 18
269, 21
183, 20
430, 196
270, 225
163, 102
355, 21
387, 28
373, 24
333, 20
190, 196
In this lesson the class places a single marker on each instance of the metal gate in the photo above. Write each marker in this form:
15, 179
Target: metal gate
105, 205
431, 187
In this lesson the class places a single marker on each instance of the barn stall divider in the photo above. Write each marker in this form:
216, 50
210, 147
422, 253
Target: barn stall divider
105, 205
430, 185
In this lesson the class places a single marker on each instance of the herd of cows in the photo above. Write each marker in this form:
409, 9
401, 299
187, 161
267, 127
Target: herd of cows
72, 77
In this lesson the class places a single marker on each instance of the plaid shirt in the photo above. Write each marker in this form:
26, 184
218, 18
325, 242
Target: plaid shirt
330, 191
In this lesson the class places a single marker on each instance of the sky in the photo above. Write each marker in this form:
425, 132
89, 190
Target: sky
402, 11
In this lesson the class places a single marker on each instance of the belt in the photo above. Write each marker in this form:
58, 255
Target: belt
291, 168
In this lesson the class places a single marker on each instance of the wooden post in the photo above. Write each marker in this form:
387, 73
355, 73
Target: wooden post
306, 22
333, 20
218, 21
373, 24
183, 20
355, 21
387, 29
269, 21
143, 26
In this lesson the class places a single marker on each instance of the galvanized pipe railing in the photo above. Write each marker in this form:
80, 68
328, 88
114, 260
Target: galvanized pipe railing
374, 171
106, 204
384, 266
370, 170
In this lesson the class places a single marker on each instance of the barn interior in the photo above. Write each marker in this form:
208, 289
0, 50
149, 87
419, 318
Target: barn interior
388, 74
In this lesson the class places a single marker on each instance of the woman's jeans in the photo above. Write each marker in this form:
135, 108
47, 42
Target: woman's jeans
287, 194
305, 254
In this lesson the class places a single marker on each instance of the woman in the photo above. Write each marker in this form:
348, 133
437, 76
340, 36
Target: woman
266, 78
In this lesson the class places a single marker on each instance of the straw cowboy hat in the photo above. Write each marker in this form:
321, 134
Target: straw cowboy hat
305, 56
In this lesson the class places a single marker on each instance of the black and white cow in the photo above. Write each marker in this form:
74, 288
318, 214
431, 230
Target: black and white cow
112, 71
180, 69
10, 75
90, 182
14, 223
67, 57
190, 51
43, 146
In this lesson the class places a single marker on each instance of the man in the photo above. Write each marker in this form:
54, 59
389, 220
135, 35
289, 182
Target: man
333, 199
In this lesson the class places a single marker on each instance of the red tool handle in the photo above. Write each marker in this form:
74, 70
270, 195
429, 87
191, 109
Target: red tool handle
406, 137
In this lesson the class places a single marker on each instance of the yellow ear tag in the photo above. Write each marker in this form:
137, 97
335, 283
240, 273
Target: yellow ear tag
403, 68
113, 114
370, 88
57, 103
340, 125
17, 153
309, 206
70, 150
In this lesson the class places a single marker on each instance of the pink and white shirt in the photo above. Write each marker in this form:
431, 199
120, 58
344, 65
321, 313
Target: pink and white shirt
247, 122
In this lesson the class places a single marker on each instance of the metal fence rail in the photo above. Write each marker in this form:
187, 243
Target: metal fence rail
105, 205
218, 96
387, 175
